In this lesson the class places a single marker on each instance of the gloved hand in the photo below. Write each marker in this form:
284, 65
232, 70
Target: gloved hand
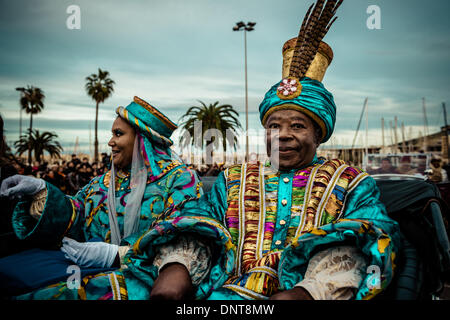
18, 186
90, 254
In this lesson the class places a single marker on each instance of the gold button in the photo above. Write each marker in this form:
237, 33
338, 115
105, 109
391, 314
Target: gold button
282, 222
286, 179
278, 242
284, 202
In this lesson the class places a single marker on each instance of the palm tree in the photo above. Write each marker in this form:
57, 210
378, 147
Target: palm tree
32, 101
39, 143
99, 87
222, 118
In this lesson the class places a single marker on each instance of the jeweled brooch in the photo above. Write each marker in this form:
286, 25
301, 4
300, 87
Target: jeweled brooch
289, 88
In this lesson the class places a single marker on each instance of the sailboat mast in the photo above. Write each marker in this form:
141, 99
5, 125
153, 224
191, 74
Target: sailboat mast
395, 133
393, 150
425, 127
445, 136
359, 123
367, 128
403, 138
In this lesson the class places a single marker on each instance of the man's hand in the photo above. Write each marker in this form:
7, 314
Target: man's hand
173, 283
296, 293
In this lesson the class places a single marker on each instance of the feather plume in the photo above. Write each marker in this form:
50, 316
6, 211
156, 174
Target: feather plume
315, 25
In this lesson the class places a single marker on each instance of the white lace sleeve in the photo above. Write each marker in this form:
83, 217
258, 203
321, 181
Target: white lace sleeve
334, 273
190, 252
38, 203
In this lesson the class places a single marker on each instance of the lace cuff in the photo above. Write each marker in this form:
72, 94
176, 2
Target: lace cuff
190, 252
38, 204
334, 273
122, 252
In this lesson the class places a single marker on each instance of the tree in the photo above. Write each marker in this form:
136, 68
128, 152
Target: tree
222, 118
32, 101
39, 143
99, 87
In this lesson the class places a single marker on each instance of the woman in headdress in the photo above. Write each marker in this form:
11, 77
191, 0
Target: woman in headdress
97, 226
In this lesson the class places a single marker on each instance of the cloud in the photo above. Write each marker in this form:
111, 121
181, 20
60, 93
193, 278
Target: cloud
175, 53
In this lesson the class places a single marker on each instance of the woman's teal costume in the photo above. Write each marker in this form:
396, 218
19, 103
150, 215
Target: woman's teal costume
85, 216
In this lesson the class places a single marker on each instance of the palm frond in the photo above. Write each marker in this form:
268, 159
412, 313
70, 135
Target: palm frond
212, 116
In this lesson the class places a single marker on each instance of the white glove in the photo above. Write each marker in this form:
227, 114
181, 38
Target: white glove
18, 186
90, 254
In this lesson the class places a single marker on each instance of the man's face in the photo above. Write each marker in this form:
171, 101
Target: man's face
122, 143
290, 139
435, 163
385, 164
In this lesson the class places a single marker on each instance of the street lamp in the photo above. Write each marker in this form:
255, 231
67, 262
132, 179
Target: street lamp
246, 27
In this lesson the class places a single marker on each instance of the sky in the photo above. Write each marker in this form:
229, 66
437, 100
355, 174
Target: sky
176, 53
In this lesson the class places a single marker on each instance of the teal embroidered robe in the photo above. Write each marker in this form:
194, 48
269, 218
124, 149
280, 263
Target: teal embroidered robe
265, 226
85, 216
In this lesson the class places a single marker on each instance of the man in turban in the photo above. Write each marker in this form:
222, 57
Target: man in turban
295, 228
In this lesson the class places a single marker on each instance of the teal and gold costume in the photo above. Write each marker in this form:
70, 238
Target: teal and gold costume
84, 216
266, 225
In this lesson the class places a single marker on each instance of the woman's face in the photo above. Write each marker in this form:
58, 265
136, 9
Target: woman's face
290, 139
122, 143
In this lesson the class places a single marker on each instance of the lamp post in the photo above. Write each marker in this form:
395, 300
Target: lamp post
249, 26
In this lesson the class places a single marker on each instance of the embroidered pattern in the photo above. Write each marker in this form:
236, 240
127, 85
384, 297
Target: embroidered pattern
118, 286
318, 192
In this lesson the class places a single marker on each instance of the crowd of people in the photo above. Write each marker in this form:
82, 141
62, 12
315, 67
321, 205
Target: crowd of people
69, 176
436, 172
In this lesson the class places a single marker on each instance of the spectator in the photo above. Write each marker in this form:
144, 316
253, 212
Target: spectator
405, 166
75, 160
54, 177
69, 168
84, 173
86, 162
385, 168
35, 168
437, 173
